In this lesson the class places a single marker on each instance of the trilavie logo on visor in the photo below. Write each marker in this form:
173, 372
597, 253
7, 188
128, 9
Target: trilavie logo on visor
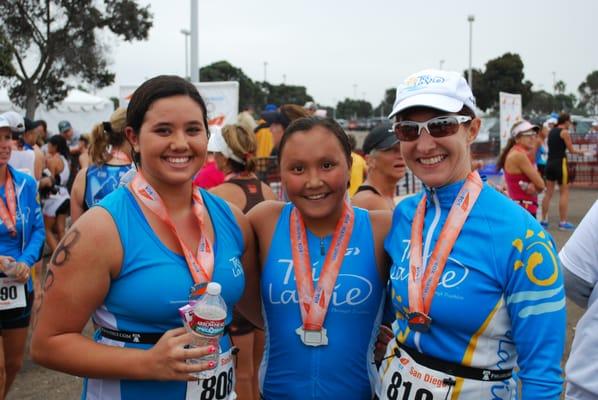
407, 131
416, 82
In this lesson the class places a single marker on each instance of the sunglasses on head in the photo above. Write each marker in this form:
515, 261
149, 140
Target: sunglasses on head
407, 131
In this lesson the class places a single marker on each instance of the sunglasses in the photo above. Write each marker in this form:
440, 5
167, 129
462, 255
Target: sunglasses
408, 131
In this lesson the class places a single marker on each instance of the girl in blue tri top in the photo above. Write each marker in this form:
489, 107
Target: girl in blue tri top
476, 284
21, 241
323, 272
110, 159
130, 262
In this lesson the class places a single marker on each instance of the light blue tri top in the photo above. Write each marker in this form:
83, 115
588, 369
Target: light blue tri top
100, 181
154, 282
344, 368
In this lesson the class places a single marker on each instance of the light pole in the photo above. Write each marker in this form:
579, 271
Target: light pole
553, 83
186, 32
470, 18
194, 42
265, 71
284, 79
441, 64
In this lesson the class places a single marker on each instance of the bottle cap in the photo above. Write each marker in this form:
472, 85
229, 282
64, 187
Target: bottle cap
214, 288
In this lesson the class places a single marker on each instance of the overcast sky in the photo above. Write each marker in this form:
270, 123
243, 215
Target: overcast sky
348, 48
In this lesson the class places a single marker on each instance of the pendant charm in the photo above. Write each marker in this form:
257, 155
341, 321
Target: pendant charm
312, 338
419, 322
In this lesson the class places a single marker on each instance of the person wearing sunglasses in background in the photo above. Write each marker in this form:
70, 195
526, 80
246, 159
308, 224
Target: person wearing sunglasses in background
475, 282
518, 160
385, 168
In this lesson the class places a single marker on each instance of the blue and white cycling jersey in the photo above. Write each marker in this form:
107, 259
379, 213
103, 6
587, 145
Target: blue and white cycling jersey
500, 301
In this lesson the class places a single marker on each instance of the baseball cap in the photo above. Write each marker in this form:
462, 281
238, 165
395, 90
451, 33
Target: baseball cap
4, 122
217, 144
15, 121
441, 90
380, 138
523, 126
64, 126
275, 117
595, 123
30, 124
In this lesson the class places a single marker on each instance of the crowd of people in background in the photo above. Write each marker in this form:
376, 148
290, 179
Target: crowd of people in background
159, 178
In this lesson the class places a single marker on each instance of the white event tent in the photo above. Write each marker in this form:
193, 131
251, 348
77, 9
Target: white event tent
82, 110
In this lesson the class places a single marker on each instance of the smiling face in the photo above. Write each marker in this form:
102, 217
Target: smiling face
5, 145
172, 141
314, 170
438, 161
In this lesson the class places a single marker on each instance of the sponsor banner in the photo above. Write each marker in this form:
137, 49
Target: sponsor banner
510, 112
222, 100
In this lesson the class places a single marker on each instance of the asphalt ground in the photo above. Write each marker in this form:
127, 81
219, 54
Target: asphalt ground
36, 382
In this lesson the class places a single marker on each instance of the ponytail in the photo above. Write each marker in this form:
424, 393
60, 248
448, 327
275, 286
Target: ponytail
98, 146
500, 163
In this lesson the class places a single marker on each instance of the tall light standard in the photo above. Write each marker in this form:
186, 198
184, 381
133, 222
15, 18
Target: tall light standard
441, 63
265, 71
470, 18
194, 42
186, 32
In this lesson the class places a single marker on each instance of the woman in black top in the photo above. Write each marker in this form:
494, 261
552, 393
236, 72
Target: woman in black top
557, 171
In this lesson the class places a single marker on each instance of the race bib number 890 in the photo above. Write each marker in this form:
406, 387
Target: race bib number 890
12, 294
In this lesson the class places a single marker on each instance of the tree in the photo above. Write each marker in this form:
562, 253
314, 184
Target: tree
250, 93
350, 108
286, 94
588, 91
385, 107
47, 44
560, 87
502, 74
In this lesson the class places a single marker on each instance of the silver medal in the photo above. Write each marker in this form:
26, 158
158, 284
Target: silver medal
312, 338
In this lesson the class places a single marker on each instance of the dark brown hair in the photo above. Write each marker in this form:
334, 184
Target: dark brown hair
306, 124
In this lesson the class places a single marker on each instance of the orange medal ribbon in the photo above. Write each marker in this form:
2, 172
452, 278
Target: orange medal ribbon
9, 216
422, 285
313, 303
200, 266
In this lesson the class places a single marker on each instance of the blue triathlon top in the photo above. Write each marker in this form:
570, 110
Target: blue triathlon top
154, 282
344, 368
27, 245
500, 301
100, 181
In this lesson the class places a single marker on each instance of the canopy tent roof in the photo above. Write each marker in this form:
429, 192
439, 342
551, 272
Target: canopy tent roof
81, 109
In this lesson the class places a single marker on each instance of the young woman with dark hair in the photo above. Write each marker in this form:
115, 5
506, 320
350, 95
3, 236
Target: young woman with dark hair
159, 236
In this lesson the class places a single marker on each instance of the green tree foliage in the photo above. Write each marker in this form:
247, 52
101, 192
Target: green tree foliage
286, 94
588, 91
250, 94
53, 42
350, 108
502, 74
385, 107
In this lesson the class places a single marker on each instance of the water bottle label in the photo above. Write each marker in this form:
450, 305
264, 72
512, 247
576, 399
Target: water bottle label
207, 327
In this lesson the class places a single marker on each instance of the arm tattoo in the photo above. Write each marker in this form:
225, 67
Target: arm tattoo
63, 251
47, 284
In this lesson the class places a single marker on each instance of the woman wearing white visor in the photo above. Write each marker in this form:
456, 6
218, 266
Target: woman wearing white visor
475, 282
522, 177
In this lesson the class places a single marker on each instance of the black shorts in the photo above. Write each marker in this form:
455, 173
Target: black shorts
17, 318
65, 208
557, 171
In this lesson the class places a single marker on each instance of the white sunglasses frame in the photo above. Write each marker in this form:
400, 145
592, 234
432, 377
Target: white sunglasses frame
461, 119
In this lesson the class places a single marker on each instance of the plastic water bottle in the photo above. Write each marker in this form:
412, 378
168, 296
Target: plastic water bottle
10, 267
207, 325
523, 185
